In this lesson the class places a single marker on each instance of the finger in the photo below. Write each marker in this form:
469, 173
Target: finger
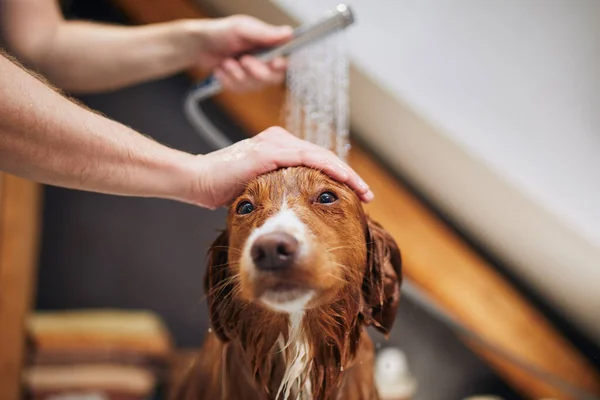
331, 165
279, 64
273, 156
260, 71
234, 70
317, 157
260, 33
325, 160
224, 79
238, 78
279, 135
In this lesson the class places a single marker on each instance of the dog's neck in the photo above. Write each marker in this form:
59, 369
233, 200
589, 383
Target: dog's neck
301, 355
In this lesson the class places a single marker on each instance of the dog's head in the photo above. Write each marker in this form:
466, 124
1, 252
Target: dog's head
298, 241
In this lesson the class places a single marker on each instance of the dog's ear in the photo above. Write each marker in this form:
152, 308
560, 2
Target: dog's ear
218, 287
382, 279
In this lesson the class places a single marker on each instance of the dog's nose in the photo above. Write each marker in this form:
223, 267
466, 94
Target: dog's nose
274, 251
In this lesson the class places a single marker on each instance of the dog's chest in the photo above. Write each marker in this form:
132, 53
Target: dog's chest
295, 352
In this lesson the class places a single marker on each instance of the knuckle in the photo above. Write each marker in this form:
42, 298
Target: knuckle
242, 143
269, 165
238, 20
262, 136
256, 147
273, 77
273, 130
241, 23
304, 155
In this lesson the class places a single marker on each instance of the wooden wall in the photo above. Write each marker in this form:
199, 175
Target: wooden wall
19, 234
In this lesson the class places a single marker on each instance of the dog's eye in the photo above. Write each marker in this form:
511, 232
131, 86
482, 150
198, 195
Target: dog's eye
327, 198
245, 207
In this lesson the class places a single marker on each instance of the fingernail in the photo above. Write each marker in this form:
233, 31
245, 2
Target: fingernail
363, 185
278, 63
369, 196
286, 29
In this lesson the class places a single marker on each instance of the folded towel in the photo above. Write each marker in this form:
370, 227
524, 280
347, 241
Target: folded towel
96, 356
137, 332
113, 379
83, 395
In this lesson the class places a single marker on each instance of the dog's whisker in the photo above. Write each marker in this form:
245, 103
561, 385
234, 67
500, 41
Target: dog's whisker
229, 296
228, 248
337, 278
215, 291
341, 248
225, 264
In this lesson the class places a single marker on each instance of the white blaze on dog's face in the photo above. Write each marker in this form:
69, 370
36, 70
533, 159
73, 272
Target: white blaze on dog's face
270, 247
296, 237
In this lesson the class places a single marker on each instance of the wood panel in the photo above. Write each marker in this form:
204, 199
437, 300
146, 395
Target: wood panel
435, 258
19, 231
448, 270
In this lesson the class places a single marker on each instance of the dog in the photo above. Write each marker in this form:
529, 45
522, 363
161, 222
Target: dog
292, 284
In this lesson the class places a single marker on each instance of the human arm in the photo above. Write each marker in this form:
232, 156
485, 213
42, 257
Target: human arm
49, 139
85, 57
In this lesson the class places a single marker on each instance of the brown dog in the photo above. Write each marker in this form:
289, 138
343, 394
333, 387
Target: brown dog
291, 285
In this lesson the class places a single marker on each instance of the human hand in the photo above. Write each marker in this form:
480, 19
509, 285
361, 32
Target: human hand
224, 173
220, 40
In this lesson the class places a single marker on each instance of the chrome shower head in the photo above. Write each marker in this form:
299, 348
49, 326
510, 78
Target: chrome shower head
334, 21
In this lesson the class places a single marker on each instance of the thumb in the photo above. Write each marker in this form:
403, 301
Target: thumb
260, 33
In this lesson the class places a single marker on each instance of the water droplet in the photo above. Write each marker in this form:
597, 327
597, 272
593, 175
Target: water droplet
317, 101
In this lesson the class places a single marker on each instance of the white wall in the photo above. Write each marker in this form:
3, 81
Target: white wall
491, 107
517, 83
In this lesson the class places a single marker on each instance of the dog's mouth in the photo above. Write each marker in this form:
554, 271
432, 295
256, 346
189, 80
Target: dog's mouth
284, 288
286, 297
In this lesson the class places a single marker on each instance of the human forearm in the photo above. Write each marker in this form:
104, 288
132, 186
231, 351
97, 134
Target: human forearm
47, 138
85, 57
88, 57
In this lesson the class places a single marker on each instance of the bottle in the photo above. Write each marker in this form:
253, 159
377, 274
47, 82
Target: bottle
392, 376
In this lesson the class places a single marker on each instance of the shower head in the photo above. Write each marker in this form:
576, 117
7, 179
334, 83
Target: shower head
334, 21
